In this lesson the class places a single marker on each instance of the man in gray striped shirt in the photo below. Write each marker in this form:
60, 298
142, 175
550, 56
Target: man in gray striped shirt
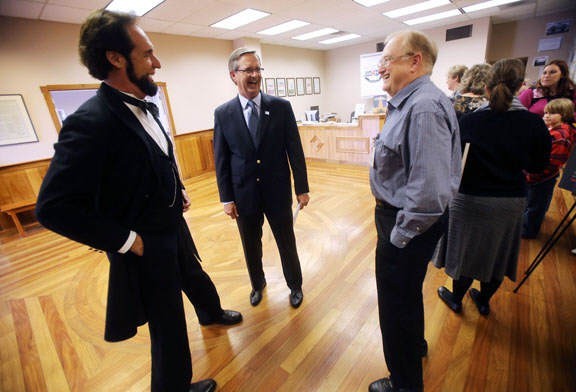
415, 173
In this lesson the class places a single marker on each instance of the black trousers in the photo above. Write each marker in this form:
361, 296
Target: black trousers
400, 274
282, 225
168, 268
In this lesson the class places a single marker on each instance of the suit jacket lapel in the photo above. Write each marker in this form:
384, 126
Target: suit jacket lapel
264, 116
121, 111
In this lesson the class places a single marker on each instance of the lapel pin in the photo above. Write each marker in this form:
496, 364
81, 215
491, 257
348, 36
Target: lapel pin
267, 112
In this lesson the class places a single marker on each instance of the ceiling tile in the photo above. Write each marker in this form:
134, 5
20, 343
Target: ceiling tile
21, 9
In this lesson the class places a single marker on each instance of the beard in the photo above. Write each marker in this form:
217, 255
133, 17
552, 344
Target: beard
145, 84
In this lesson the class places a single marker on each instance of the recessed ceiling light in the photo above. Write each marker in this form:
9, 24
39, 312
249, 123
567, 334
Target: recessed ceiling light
137, 7
487, 4
315, 34
240, 19
370, 3
284, 27
430, 18
426, 5
339, 39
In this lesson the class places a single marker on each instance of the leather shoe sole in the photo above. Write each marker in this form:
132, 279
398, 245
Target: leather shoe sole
446, 297
256, 296
228, 317
208, 385
296, 297
483, 309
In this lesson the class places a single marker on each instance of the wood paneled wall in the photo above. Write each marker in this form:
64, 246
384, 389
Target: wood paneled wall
22, 181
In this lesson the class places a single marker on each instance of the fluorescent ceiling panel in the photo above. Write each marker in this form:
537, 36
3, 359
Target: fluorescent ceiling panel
138, 7
240, 19
430, 18
339, 39
419, 7
284, 27
487, 4
315, 34
370, 3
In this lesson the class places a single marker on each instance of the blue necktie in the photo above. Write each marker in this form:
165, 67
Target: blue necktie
253, 122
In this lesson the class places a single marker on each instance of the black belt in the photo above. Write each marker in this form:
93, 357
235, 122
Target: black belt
384, 204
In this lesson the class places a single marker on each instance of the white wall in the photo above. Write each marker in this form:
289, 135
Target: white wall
37, 53
343, 64
520, 39
287, 62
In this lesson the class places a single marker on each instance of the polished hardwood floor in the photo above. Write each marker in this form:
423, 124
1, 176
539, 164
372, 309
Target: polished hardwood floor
53, 291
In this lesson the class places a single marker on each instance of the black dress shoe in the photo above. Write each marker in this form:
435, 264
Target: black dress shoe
256, 296
296, 297
447, 297
228, 317
483, 308
382, 385
207, 385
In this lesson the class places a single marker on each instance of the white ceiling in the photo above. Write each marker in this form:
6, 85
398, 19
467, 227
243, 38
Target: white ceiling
194, 17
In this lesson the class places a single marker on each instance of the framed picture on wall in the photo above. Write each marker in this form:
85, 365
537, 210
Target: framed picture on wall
316, 85
270, 86
291, 86
300, 86
281, 87
16, 126
309, 89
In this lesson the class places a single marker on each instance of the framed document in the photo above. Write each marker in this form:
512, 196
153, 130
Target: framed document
291, 86
316, 85
15, 124
281, 87
309, 90
300, 86
270, 86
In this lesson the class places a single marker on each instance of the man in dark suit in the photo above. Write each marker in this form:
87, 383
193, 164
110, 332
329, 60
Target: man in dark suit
113, 184
256, 143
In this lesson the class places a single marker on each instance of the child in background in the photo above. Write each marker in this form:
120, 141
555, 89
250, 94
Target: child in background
558, 116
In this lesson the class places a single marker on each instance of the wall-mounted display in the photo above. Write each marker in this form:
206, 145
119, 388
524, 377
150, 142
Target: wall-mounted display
64, 99
270, 84
300, 86
291, 86
281, 87
309, 89
15, 124
316, 85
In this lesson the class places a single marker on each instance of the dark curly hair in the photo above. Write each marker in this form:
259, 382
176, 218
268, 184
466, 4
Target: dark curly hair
565, 87
103, 31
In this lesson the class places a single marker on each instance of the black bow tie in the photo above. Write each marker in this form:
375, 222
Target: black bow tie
144, 105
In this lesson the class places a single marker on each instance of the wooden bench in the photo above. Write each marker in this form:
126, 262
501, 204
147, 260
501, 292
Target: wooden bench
12, 209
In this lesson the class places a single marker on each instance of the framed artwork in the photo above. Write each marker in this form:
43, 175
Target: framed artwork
64, 99
316, 85
300, 86
291, 86
281, 87
309, 89
270, 84
15, 125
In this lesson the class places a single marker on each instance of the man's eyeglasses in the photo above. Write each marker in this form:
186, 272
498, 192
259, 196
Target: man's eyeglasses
387, 60
250, 71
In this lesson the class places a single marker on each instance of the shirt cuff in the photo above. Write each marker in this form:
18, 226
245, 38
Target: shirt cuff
397, 239
227, 202
128, 244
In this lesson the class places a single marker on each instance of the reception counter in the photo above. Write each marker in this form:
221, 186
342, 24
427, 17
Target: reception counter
341, 142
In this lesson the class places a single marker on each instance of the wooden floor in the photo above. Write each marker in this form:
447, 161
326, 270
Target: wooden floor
53, 291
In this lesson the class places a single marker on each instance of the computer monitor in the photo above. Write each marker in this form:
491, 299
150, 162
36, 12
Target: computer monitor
311, 115
317, 109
